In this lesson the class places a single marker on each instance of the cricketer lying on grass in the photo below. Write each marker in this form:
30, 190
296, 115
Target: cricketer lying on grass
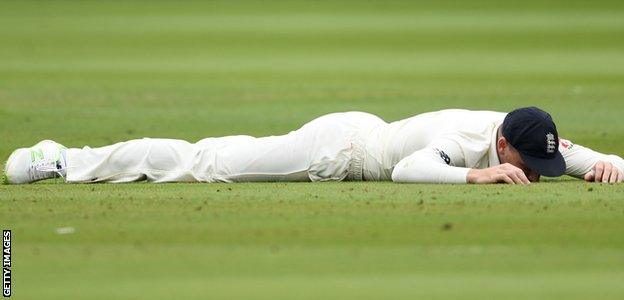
448, 146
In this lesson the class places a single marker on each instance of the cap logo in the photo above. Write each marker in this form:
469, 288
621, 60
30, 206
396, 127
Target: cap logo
551, 145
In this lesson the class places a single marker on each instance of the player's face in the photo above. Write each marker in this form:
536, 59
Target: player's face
510, 155
516, 160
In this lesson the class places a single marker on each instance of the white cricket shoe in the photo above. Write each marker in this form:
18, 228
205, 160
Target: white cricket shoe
42, 161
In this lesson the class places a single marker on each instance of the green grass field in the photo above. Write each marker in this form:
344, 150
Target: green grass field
93, 73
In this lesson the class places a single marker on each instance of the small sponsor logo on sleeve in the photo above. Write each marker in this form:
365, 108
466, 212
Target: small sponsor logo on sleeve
6, 263
444, 156
566, 144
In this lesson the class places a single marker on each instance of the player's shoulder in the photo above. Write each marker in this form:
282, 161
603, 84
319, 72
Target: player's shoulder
460, 112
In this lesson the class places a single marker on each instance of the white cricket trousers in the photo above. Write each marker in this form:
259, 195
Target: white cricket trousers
325, 149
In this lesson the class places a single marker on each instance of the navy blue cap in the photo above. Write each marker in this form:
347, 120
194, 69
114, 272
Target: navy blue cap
533, 133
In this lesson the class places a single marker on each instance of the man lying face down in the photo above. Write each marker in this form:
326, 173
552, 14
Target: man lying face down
448, 146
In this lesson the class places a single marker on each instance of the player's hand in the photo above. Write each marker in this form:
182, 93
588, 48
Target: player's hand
505, 173
604, 172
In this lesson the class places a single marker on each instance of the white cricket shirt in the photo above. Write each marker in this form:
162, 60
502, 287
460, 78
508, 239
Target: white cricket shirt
442, 146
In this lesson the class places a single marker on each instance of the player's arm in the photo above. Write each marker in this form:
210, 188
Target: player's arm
444, 161
590, 165
431, 165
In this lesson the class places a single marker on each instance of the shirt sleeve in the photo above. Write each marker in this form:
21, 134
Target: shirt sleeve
580, 160
442, 161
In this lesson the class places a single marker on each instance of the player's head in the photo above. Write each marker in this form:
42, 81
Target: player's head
529, 140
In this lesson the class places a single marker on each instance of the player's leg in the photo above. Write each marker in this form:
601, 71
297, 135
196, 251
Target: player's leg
224, 159
246, 158
320, 150
157, 160
317, 152
313, 152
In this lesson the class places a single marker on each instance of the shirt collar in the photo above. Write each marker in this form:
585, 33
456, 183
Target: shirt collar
493, 154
